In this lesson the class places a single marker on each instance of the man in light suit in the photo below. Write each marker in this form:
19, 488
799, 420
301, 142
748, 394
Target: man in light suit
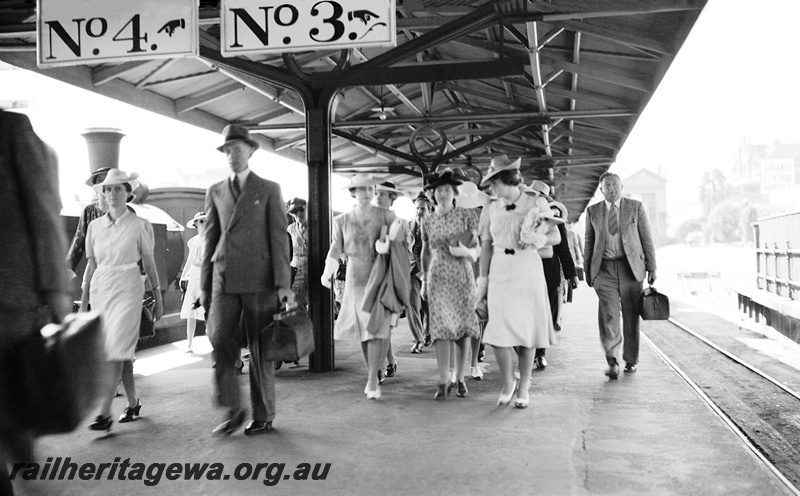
32, 272
619, 250
245, 273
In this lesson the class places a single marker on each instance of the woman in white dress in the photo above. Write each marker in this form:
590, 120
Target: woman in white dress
511, 272
190, 279
356, 234
113, 284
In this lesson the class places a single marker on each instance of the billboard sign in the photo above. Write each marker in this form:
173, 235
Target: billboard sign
269, 26
76, 32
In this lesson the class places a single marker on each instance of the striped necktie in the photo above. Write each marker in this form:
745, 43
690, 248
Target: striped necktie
613, 223
235, 186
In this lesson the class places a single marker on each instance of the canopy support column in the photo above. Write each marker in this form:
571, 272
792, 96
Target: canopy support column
320, 168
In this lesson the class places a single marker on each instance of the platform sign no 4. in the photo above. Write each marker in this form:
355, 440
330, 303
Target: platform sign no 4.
263, 26
74, 32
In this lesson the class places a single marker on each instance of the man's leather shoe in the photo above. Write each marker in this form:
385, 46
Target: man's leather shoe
629, 368
613, 371
257, 427
235, 419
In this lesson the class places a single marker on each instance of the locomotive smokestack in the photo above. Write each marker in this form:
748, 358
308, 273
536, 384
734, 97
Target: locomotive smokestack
103, 144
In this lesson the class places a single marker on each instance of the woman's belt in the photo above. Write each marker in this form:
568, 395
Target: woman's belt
118, 268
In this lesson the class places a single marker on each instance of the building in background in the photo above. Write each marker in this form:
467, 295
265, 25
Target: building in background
651, 189
768, 173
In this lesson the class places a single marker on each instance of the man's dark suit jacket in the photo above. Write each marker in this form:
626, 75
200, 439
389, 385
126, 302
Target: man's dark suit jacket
246, 247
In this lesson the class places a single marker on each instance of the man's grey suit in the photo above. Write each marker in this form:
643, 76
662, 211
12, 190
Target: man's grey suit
618, 283
246, 259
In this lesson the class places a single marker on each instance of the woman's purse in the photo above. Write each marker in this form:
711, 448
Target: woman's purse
289, 337
147, 328
58, 374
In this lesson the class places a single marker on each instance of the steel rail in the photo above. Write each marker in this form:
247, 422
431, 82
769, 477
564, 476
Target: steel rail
726, 419
738, 360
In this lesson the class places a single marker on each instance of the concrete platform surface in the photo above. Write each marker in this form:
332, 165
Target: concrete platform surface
647, 433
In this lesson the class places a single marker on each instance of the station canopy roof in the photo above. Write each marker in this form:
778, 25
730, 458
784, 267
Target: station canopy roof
559, 83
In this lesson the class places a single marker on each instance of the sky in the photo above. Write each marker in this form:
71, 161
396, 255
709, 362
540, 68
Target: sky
734, 77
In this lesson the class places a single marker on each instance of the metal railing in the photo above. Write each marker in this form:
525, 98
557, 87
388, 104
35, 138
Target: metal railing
777, 255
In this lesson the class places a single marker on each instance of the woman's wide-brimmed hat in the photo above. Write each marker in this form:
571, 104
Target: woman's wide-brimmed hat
469, 196
561, 208
445, 176
197, 217
116, 176
97, 176
389, 187
294, 204
537, 188
235, 132
499, 164
361, 180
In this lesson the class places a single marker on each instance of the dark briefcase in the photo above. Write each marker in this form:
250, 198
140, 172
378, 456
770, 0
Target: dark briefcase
59, 373
289, 337
655, 305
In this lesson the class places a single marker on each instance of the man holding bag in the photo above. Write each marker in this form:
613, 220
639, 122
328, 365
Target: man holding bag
619, 250
245, 272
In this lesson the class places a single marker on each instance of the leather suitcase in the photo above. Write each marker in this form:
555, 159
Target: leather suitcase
289, 337
60, 371
655, 305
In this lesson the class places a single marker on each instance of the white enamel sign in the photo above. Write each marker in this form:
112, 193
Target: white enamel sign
73, 32
264, 26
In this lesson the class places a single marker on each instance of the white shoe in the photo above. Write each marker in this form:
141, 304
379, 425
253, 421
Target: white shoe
477, 373
453, 377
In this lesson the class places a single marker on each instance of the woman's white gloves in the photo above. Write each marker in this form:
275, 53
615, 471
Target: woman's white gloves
462, 251
331, 266
533, 238
382, 247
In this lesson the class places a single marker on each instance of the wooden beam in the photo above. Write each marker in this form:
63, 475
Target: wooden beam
601, 72
105, 73
192, 102
617, 36
421, 73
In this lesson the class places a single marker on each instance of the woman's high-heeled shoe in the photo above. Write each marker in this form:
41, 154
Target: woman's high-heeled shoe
442, 392
461, 392
374, 395
505, 399
101, 423
130, 413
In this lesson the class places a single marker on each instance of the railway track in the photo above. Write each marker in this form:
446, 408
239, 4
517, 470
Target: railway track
761, 410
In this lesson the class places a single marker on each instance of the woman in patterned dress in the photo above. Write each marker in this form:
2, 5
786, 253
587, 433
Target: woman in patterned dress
113, 284
356, 234
511, 272
447, 265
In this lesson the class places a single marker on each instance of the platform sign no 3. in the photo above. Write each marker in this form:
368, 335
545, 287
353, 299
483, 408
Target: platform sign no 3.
263, 26
74, 32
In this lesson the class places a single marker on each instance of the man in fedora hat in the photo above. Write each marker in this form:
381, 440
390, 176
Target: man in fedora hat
619, 252
245, 273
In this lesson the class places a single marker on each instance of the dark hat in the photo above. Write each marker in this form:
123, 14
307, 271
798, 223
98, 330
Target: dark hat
294, 204
389, 187
421, 196
445, 176
235, 132
97, 176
